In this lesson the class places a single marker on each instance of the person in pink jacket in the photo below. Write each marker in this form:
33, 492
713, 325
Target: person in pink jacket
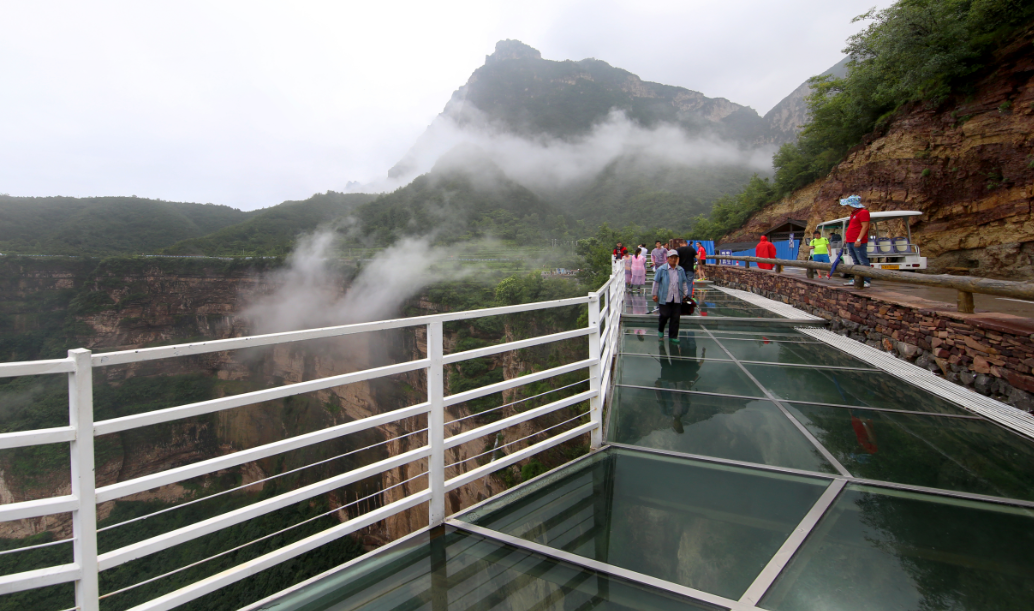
638, 271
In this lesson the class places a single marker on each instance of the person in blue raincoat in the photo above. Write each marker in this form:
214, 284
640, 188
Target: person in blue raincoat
670, 287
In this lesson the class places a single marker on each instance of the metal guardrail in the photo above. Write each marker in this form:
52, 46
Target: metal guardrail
604, 313
965, 285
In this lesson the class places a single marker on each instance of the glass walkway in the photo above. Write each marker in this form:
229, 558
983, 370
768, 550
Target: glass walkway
748, 466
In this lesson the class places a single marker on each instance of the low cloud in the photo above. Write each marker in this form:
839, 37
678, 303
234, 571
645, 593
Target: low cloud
311, 291
547, 163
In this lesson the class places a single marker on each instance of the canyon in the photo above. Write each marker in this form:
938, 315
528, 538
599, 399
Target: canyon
50, 305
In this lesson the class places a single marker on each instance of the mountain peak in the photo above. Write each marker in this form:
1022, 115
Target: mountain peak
512, 49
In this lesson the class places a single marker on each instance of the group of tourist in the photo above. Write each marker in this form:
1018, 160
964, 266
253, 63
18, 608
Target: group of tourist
855, 241
676, 266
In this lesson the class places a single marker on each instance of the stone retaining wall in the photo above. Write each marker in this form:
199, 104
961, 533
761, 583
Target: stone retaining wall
991, 353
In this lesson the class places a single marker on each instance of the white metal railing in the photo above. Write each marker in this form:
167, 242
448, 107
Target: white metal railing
604, 314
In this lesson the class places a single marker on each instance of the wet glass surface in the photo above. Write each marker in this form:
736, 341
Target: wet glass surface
862, 388
459, 571
750, 430
694, 344
717, 327
674, 370
764, 349
901, 551
950, 453
709, 527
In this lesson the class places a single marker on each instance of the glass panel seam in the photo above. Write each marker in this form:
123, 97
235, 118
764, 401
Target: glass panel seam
595, 565
692, 392
803, 429
724, 461
775, 566
890, 409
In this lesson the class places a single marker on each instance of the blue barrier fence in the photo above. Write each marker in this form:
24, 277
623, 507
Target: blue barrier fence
783, 251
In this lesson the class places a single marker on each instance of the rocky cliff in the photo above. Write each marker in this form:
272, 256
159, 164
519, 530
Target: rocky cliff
967, 165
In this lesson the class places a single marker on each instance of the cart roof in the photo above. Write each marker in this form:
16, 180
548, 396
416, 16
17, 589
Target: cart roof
889, 214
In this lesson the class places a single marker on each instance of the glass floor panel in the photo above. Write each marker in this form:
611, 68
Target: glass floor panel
731, 311
792, 352
861, 388
950, 453
691, 345
705, 526
457, 571
684, 374
717, 327
750, 430
902, 551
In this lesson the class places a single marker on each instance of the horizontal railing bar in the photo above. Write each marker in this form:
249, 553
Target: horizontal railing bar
254, 341
115, 425
38, 507
39, 578
481, 431
515, 382
517, 345
188, 533
147, 482
38, 437
492, 467
36, 368
257, 565
969, 284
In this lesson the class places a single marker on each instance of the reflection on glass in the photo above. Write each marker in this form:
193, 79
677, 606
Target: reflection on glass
456, 571
862, 388
637, 304
673, 367
709, 527
903, 551
750, 430
951, 453
638, 340
767, 350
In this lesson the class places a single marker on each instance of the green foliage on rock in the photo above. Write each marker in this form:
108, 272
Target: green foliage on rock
912, 51
915, 51
273, 231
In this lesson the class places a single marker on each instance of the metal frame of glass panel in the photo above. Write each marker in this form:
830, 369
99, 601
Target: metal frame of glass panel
764, 581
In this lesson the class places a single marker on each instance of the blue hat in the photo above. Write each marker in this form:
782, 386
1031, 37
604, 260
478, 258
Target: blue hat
854, 201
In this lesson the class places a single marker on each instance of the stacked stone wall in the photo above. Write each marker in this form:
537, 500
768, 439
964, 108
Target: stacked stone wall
991, 353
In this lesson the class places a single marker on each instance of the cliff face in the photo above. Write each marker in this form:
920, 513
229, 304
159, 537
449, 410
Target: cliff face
967, 165
149, 305
786, 118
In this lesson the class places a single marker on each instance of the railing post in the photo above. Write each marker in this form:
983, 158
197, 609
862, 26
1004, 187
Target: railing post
595, 371
436, 423
965, 302
84, 519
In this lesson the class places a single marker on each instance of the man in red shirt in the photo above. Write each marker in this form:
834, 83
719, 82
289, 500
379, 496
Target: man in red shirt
856, 239
765, 250
619, 252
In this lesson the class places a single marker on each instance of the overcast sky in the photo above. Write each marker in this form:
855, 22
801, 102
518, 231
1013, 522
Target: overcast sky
251, 103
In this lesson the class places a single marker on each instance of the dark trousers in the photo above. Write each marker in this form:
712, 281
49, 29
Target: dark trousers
670, 311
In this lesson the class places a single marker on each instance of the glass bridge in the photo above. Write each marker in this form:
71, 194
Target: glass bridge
750, 465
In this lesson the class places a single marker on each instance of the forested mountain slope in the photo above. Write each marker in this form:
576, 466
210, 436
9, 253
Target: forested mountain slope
105, 225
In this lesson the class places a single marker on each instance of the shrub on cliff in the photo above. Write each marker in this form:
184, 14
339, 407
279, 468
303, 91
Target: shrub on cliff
915, 50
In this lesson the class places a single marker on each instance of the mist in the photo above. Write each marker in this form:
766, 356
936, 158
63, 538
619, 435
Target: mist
547, 163
310, 292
